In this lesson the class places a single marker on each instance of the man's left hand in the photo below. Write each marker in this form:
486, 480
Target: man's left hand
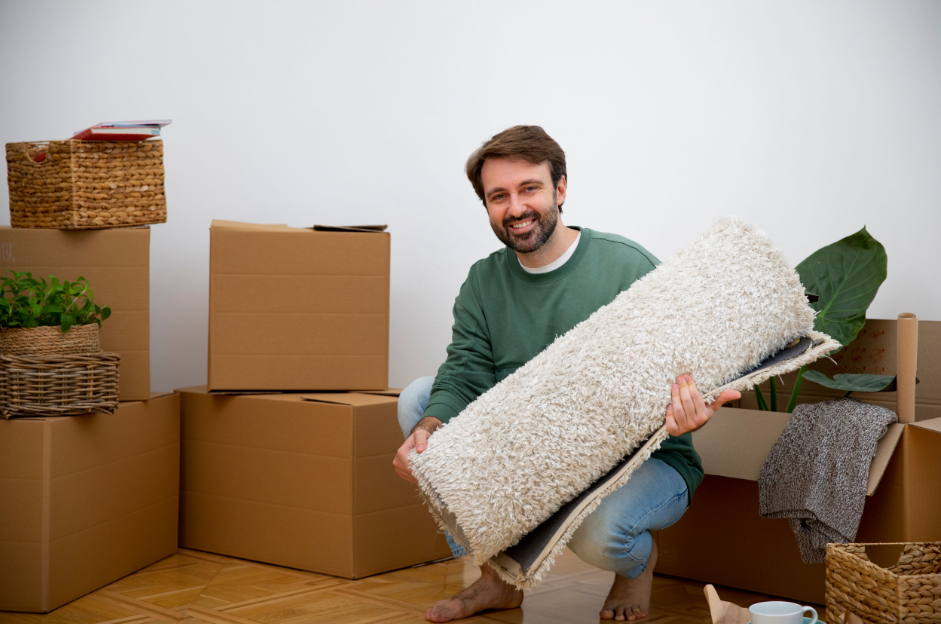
689, 412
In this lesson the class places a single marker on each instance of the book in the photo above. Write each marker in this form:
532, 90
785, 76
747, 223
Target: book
121, 124
121, 131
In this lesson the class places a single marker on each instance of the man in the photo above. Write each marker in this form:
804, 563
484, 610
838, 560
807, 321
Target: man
514, 303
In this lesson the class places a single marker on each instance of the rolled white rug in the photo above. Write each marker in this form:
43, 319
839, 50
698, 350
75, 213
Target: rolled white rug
546, 433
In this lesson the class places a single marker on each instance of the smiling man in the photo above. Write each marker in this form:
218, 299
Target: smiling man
547, 279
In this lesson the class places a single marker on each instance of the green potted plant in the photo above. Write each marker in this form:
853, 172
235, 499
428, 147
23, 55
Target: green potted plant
48, 318
844, 277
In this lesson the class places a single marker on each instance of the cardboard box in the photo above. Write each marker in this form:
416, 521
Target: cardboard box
86, 500
297, 309
302, 483
722, 539
116, 263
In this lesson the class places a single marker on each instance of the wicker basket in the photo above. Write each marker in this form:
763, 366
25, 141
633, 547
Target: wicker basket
75, 185
58, 385
908, 592
44, 372
49, 340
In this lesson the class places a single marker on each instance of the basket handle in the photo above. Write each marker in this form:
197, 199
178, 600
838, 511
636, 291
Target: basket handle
41, 157
885, 555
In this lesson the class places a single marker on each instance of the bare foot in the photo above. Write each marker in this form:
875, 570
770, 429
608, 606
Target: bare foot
487, 592
629, 599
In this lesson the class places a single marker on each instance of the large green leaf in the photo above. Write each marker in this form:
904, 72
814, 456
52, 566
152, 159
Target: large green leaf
851, 383
846, 276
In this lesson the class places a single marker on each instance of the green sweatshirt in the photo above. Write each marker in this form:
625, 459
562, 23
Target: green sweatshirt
504, 316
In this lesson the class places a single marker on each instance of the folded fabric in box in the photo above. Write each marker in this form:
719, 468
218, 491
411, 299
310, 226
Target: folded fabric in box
816, 473
544, 435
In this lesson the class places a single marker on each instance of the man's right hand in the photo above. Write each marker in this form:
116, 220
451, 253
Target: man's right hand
418, 440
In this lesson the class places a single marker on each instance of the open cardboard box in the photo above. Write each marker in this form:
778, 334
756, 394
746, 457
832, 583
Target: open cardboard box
722, 540
298, 308
86, 500
301, 480
116, 263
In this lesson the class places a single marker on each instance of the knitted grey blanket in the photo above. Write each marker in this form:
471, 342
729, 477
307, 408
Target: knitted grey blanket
816, 473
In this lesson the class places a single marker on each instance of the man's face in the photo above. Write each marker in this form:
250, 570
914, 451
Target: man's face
522, 203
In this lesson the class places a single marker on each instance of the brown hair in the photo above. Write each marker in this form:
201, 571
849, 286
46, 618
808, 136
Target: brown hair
531, 143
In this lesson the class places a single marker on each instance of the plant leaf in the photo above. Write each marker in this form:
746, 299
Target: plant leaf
66, 322
846, 275
851, 382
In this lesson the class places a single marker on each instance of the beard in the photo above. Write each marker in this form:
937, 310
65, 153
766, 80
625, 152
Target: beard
543, 227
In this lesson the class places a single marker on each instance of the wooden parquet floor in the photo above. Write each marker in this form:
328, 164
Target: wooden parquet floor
194, 587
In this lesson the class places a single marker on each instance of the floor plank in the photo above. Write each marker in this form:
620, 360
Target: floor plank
193, 587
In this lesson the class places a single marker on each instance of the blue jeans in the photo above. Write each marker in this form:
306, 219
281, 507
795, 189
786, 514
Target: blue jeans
616, 535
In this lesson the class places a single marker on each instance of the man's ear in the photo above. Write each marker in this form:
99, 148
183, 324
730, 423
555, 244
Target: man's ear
560, 191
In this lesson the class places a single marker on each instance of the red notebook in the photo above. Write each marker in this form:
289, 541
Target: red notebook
116, 134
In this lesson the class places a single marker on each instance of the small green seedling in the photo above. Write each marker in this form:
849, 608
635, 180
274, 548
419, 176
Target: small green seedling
28, 302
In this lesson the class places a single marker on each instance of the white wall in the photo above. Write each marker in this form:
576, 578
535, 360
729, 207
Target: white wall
809, 118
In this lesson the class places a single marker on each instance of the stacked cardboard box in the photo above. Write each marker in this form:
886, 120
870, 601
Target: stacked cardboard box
86, 500
722, 540
297, 308
302, 480
116, 263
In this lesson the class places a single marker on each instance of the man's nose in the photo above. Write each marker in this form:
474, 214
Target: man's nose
517, 207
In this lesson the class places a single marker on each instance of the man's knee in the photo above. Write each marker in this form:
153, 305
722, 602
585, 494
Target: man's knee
603, 551
601, 543
412, 403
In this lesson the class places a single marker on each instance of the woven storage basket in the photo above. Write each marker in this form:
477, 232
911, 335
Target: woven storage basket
44, 372
908, 592
76, 185
49, 340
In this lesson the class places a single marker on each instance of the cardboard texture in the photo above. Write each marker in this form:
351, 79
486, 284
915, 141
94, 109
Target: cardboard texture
86, 500
116, 263
721, 539
303, 481
297, 309
875, 352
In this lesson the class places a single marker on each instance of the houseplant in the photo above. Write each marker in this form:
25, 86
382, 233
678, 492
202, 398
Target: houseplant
44, 318
845, 277
51, 363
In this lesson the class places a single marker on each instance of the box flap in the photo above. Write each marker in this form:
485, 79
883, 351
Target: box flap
933, 424
242, 392
354, 399
350, 228
222, 224
241, 225
884, 452
736, 442
387, 392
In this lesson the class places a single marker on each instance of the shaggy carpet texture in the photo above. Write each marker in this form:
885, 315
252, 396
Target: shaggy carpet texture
544, 434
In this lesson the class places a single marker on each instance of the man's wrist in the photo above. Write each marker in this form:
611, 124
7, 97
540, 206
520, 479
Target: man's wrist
428, 423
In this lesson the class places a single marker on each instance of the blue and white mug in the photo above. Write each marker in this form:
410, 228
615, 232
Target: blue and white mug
779, 612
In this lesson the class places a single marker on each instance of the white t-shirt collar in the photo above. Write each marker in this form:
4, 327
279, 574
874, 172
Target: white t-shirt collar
552, 266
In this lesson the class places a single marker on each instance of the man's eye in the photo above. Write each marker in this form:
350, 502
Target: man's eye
530, 189
497, 197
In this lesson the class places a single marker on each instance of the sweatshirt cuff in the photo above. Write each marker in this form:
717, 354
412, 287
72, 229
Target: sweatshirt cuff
441, 410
